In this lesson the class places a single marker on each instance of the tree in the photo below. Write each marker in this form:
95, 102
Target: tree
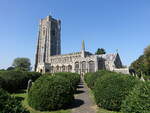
147, 59
139, 66
142, 64
100, 51
22, 64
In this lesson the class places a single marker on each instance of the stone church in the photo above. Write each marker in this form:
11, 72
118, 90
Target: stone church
49, 57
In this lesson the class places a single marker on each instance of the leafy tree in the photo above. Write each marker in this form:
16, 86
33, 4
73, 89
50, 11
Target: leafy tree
142, 64
100, 51
22, 64
139, 66
147, 59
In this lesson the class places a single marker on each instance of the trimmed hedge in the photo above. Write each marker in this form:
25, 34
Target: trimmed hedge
16, 79
90, 78
112, 88
73, 78
2, 82
50, 93
138, 101
10, 104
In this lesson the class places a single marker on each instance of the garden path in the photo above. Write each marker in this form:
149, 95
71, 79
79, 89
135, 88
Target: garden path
83, 102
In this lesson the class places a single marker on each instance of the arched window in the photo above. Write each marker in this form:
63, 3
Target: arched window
101, 64
83, 64
76, 67
69, 68
57, 68
91, 66
63, 68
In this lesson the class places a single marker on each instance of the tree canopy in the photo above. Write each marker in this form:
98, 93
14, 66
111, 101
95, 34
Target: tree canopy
142, 64
100, 51
22, 64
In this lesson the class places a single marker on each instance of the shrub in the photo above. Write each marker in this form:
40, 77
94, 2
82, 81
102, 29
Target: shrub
73, 78
50, 93
138, 101
90, 78
13, 80
2, 82
33, 75
10, 104
16, 79
112, 88
27, 76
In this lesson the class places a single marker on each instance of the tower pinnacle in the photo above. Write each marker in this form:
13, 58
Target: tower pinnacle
83, 46
83, 49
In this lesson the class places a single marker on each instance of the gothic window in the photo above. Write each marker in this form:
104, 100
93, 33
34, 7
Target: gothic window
53, 32
101, 64
63, 68
57, 68
77, 67
83, 64
44, 31
91, 66
69, 68
47, 70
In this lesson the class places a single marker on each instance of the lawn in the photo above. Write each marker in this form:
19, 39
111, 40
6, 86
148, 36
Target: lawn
23, 97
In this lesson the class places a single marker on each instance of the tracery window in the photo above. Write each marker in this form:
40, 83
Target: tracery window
91, 66
69, 68
76, 67
83, 64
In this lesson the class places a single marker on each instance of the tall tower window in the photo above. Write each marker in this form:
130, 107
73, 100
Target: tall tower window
44, 31
53, 32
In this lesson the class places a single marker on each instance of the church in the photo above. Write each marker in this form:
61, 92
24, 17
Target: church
49, 58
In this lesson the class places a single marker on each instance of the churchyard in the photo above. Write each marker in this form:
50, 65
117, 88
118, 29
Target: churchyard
64, 92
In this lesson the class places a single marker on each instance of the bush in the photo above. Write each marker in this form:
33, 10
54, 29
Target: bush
50, 93
2, 82
13, 80
33, 75
73, 78
10, 104
112, 88
16, 79
90, 78
138, 101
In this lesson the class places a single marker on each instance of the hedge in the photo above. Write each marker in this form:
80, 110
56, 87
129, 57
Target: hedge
50, 93
16, 79
138, 101
90, 78
112, 88
73, 78
10, 104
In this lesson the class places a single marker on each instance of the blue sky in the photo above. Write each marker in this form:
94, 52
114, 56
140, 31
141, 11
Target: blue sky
109, 24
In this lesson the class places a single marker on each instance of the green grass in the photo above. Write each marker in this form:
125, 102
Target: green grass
100, 110
23, 96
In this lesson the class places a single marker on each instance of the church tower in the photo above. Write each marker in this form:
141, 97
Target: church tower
49, 42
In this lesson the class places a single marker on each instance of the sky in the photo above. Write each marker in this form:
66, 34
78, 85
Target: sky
109, 24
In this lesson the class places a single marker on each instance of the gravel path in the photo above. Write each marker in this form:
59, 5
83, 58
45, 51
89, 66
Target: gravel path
83, 103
